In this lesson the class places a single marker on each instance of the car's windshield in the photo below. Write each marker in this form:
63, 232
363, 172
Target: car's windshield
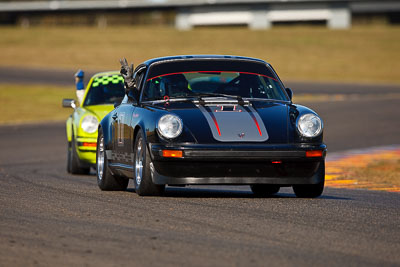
106, 89
195, 83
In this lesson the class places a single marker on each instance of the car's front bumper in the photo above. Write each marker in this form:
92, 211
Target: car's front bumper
86, 149
238, 164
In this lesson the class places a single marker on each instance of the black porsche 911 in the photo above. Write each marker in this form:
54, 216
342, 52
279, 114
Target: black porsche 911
210, 120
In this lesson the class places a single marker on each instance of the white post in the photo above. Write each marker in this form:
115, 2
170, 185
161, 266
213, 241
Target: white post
182, 21
260, 20
340, 18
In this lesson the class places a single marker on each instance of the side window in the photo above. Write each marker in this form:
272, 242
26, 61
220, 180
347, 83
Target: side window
139, 79
138, 76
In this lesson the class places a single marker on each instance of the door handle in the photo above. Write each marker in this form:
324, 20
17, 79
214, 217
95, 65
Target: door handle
115, 116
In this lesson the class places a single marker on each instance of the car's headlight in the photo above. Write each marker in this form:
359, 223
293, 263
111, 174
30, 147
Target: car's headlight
89, 124
169, 126
309, 125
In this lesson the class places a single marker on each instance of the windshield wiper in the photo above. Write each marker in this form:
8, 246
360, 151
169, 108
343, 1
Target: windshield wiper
202, 102
174, 99
265, 100
199, 97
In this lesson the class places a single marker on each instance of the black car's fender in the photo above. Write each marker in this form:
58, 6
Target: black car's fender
295, 112
105, 124
148, 120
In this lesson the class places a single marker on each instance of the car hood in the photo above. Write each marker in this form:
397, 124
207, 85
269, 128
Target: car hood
99, 110
229, 122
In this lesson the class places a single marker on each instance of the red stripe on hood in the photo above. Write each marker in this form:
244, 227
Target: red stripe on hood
216, 123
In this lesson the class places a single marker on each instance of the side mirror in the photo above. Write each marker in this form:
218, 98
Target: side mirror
133, 95
69, 103
290, 93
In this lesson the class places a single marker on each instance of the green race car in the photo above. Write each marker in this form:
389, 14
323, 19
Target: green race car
102, 92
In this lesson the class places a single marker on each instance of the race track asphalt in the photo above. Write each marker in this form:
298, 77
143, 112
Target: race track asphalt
51, 218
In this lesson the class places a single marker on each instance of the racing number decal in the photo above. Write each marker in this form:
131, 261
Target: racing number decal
121, 118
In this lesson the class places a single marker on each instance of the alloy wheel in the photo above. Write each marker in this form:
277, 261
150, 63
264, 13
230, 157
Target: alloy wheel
100, 159
139, 162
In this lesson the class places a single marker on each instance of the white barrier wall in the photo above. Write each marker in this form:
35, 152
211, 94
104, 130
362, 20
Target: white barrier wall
336, 17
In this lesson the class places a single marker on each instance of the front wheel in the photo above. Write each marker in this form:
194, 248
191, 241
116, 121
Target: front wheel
74, 165
105, 179
144, 185
312, 190
264, 190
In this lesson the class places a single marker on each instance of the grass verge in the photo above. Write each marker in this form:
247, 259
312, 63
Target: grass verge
361, 54
378, 170
22, 103
385, 172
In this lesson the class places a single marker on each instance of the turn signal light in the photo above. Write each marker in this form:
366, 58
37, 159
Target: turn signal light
314, 153
172, 153
89, 144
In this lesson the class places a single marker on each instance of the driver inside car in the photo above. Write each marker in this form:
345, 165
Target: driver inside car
174, 86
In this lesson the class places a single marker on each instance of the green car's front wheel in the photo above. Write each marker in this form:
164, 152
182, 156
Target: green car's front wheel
74, 165
105, 179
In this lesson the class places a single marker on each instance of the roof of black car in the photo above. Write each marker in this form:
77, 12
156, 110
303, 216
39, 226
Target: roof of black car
211, 57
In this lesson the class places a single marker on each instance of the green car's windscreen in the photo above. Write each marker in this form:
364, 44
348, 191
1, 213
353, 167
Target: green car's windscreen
107, 89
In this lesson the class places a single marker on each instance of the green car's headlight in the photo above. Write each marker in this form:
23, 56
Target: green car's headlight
89, 124
170, 126
309, 125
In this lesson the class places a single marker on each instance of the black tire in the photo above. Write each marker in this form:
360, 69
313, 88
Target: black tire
312, 190
264, 190
69, 157
74, 165
144, 185
105, 179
